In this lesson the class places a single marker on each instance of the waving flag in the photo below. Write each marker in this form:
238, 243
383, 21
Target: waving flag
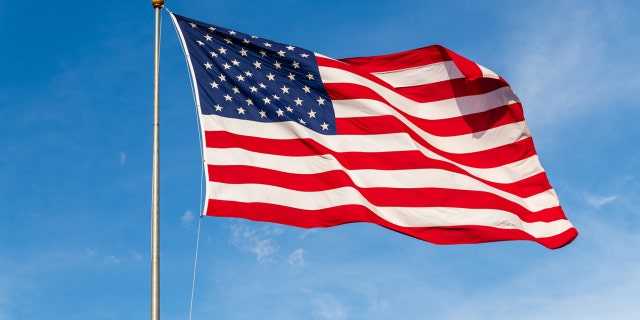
423, 142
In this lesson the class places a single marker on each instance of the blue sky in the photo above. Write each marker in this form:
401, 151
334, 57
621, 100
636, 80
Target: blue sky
75, 168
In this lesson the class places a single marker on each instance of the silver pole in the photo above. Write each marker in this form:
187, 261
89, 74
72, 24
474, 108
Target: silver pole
155, 175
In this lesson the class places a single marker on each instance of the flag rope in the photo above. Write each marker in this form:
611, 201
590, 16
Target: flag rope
195, 264
202, 174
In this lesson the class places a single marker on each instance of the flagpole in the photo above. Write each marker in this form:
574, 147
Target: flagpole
155, 175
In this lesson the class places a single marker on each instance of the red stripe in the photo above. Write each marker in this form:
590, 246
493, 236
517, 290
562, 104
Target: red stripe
491, 158
379, 196
436, 91
399, 60
451, 89
472, 123
354, 213
361, 160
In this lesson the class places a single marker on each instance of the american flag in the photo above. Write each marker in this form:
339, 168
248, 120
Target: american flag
423, 142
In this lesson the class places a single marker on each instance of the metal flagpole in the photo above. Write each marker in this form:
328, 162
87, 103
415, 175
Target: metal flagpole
155, 183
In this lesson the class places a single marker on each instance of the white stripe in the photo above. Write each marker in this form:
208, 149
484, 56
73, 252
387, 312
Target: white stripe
507, 173
401, 216
444, 109
460, 144
427, 74
488, 73
400, 179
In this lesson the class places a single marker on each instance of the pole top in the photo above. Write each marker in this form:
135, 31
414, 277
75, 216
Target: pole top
157, 3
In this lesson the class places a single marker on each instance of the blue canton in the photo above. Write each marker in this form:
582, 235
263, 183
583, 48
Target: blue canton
246, 77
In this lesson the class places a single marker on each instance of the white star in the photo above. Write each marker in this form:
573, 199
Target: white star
222, 50
235, 62
249, 102
324, 126
253, 89
290, 48
254, 37
240, 77
240, 110
275, 96
214, 85
281, 53
218, 107
289, 109
262, 85
226, 66
257, 64
208, 37
306, 89
310, 76
245, 41
312, 114
291, 76
296, 65
231, 32
243, 52
248, 73
228, 41
193, 25
304, 55
266, 100
302, 121
227, 97
208, 65
212, 28
200, 43
277, 64
284, 89
263, 114
280, 112
271, 76
213, 54
320, 101
222, 77
267, 44
263, 53
235, 90
298, 101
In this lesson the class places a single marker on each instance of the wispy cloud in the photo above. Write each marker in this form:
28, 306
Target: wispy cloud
112, 260
123, 158
327, 307
187, 218
598, 201
595, 278
561, 65
258, 241
296, 259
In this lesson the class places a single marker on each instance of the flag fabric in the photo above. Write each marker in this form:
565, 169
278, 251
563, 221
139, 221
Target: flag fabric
423, 142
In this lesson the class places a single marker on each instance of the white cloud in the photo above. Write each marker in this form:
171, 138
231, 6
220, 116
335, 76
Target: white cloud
599, 201
257, 241
186, 218
596, 277
112, 260
562, 61
89, 253
307, 232
327, 307
296, 259
136, 255
123, 158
